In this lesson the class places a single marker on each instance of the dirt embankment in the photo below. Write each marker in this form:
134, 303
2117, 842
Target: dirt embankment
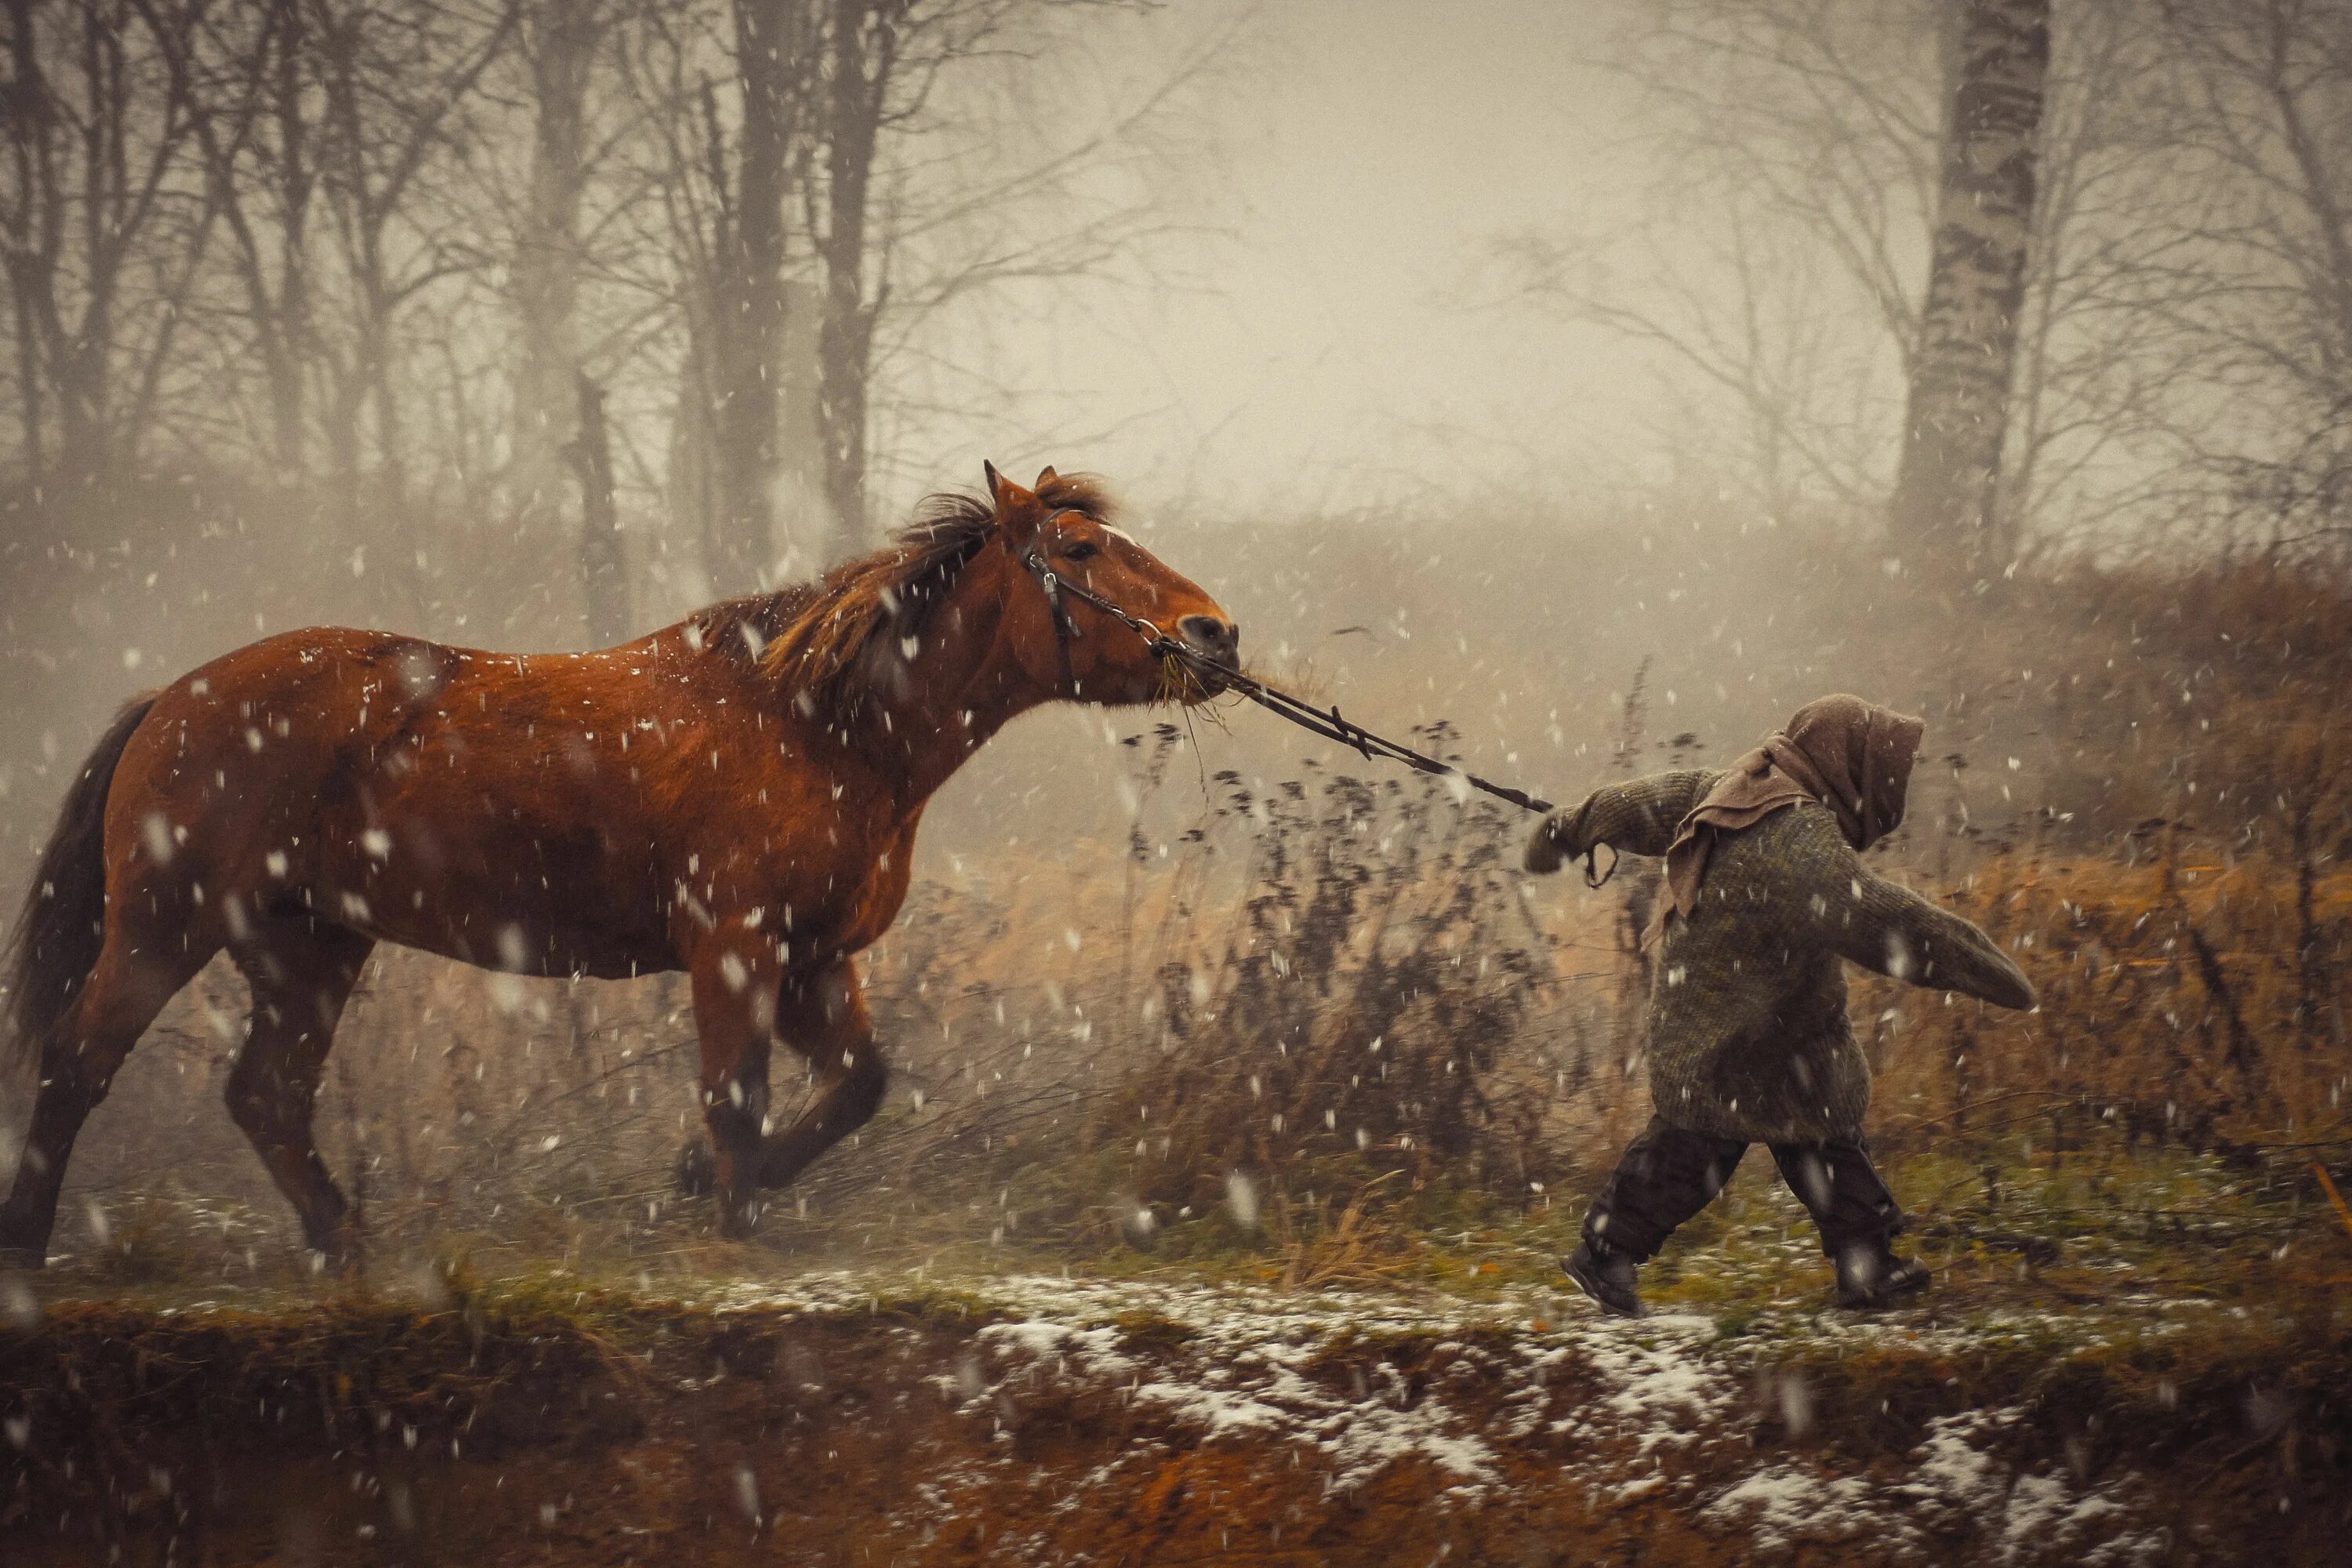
1054, 1423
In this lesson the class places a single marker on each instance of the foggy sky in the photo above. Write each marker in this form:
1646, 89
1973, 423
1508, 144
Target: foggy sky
1337, 347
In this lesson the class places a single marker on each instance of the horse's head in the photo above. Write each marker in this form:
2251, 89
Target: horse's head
1062, 530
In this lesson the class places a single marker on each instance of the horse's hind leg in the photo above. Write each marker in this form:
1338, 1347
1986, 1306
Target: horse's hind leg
735, 978
135, 977
302, 972
824, 1018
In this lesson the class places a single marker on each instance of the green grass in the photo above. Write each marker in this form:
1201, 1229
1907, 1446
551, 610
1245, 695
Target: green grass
2100, 1249
2103, 1247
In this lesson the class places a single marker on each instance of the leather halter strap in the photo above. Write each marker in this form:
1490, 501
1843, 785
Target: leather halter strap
1058, 589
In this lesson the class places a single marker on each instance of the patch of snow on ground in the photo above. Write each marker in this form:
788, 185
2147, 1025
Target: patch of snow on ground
1957, 1489
1781, 1505
1608, 1399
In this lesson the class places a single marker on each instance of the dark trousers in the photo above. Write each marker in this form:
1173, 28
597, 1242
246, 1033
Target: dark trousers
1670, 1172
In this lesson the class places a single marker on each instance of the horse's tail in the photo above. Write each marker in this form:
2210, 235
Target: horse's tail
57, 940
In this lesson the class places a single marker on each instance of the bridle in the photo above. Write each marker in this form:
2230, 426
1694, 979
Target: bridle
1327, 722
1158, 644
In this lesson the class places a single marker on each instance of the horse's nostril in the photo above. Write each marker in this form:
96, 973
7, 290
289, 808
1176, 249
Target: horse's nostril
1209, 631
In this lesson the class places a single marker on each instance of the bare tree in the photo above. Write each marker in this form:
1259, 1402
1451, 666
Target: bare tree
98, 122
666, 62
367, 248
395, 83
1742, 309
1777, 267
2255, 148
912, 186
560, 43
602, 571
248, 73
999, 190
727, 165
774, 70
1781, 264
2087, 402
1826, 114
865, 42
1946, 504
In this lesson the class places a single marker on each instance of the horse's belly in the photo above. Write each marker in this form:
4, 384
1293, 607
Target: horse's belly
527, 941
525, 902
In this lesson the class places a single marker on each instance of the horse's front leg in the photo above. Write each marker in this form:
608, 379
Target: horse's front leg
736, 974
823, 1015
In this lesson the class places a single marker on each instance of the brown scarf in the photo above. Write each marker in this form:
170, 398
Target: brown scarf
1853, 756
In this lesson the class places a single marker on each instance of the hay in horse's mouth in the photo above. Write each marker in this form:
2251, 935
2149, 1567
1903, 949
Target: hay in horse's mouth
1182, 681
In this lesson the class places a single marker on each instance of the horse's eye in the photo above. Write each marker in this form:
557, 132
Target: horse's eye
1082, 549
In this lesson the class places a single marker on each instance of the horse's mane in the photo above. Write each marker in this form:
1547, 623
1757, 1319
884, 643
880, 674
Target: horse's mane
818, 639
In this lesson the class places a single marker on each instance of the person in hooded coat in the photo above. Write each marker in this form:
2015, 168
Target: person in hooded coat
1765, 899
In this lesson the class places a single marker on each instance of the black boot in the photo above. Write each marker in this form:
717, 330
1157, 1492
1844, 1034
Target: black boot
1870, 1275
1606, 1275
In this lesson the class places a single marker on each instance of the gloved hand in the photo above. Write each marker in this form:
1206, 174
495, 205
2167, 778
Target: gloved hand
1557, 839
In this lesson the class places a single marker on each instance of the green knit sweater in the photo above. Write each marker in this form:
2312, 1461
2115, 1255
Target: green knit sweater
1749, 1037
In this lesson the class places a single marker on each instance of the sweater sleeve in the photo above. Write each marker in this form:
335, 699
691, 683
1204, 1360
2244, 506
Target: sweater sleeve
1636, 818
1885, 927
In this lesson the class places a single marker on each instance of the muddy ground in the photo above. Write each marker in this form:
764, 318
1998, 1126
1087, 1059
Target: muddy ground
841, 1418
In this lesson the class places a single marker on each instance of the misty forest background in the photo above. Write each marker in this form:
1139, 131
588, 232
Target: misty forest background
1991, 359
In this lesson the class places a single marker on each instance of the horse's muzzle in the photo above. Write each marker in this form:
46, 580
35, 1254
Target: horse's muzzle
1215, 639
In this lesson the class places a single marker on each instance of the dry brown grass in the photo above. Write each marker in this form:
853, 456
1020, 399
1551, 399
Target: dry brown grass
2192, 999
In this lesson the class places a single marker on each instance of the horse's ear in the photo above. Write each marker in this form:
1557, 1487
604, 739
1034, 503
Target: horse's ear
1047, 477
1010, 498
1017, 511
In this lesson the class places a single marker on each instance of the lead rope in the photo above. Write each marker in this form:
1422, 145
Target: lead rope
1328, 722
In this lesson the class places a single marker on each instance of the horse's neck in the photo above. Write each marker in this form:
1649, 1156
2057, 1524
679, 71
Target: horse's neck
965, 684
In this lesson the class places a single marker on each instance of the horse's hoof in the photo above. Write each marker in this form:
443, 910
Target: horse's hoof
333, 1243
697, 1170
339, 1260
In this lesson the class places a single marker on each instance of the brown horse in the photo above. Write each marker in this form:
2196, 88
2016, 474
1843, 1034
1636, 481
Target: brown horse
735, 796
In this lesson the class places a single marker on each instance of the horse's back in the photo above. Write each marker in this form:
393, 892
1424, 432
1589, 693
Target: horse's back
399, 786
254, 711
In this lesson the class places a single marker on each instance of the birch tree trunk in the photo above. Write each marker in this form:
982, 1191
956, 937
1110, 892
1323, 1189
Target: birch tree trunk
1945, 514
